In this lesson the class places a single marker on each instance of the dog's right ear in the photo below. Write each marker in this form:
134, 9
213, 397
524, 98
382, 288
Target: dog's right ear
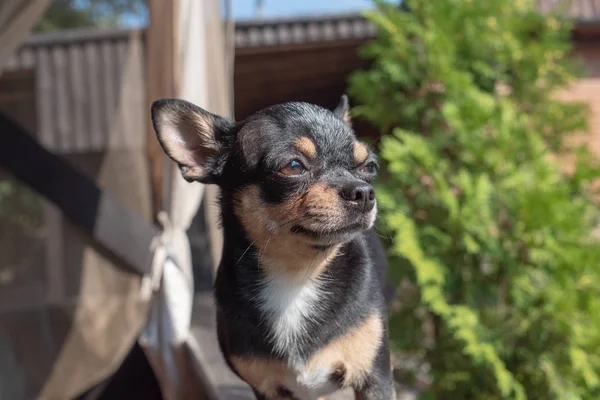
190, 136
342, 111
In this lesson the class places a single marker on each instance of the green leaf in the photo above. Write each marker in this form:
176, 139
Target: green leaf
499, 241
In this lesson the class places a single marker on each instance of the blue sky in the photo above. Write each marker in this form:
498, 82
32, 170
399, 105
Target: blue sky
245, 9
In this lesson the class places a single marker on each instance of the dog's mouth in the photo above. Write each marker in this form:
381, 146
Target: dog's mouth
322, 231
325, 233
323, 239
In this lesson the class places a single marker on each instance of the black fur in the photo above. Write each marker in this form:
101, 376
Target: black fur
355, 291
250, 153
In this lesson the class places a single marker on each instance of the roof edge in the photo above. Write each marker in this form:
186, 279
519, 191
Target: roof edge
299, 19
69, 36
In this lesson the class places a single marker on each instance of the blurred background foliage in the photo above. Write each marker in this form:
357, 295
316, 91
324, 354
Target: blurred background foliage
493, 233
69, 14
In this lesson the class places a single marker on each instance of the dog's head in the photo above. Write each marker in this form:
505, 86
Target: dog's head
294, 170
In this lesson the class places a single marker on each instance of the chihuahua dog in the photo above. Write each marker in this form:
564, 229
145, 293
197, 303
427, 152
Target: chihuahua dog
300, 306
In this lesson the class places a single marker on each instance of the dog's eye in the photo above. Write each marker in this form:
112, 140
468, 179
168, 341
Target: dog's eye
295, 167
370, 168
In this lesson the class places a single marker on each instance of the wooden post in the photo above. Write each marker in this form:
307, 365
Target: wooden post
162, 81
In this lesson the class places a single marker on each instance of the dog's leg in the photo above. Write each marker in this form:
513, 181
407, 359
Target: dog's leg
259, 396
279, 396
380, 383
376, 391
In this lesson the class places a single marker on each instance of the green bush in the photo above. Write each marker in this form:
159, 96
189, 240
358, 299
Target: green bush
497, 239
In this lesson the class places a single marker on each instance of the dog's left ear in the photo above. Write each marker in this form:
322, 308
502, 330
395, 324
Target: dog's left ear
342, 110
192, 137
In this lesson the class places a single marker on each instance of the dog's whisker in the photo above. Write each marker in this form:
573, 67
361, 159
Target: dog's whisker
262, 253
384, 237
376, 230
386, 208
309, 269
289, 222
254, 241
244, 253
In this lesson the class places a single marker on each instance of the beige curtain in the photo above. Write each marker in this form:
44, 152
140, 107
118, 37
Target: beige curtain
56, 348
67, 323
104, 306
199, 72
54, 344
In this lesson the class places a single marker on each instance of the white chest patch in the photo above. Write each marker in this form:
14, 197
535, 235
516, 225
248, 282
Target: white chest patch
288, 306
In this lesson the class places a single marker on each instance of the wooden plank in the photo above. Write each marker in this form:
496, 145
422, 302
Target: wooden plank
109, 84
61, 98
45, 103
223, 383
79, 97
121, 232
123, 50
94, 111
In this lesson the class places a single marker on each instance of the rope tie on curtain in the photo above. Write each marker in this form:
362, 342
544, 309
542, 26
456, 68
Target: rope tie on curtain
158, 249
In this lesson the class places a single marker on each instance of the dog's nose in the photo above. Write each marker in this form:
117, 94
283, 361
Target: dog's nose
361, 193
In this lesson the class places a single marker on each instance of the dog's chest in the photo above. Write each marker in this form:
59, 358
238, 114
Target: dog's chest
289, 308
293, 314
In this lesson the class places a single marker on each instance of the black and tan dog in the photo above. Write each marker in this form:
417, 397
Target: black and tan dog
300, 306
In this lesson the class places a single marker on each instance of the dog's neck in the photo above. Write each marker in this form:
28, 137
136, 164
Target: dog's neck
294, 259
280, 256
279, 252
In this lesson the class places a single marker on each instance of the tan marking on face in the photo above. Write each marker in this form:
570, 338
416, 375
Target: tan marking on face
306, 146
268, 228
355, 351
266, 376
321, 197
361, 152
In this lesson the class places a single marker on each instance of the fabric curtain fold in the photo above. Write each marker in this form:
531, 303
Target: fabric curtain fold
90, 330
54, 342
200, 74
